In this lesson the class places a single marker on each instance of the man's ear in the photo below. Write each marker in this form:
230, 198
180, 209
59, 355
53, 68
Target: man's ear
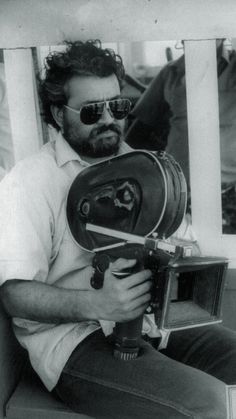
57, 114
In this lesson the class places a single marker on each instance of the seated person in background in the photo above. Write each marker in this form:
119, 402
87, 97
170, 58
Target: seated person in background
57, 316
161, 122
6, 146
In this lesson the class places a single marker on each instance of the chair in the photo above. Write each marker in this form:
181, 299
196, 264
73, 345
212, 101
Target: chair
22, 394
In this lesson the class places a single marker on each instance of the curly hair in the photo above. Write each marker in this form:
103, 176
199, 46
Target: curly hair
79, 59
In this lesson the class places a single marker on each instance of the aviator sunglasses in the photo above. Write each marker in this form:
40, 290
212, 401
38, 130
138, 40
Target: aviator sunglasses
92, 112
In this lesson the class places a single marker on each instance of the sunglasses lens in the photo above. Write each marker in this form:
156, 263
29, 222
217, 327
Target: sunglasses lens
120, 108
90, 114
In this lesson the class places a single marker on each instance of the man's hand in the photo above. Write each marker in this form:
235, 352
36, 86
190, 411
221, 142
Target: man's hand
122, 299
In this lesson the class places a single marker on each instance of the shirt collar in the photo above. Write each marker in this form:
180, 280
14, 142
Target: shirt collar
65, 154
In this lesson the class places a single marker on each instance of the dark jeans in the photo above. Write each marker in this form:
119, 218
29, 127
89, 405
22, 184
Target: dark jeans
186, 380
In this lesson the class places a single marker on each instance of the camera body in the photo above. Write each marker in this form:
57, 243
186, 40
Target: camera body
187, 291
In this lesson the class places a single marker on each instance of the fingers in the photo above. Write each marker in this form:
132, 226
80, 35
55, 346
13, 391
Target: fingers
121, 264
139, 290
135, 306
134, 279
135, 312
138, 278
138, 281
136, 303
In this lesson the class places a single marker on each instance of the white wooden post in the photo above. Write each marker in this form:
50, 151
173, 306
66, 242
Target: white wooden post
26, 135
203, 128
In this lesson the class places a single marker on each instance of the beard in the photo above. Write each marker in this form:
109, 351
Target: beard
103, 141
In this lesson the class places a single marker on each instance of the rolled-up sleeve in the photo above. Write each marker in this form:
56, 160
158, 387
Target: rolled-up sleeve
25, 229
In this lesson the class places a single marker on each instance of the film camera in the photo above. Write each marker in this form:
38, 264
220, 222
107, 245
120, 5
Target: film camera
130, 206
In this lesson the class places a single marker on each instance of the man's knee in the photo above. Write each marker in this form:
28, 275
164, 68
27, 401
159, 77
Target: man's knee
211, 403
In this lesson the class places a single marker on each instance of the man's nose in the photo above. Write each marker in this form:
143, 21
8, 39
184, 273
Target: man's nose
107, 116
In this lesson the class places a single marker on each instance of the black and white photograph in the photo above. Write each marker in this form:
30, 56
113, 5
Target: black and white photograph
117, 209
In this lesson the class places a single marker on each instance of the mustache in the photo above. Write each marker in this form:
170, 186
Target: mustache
111, 127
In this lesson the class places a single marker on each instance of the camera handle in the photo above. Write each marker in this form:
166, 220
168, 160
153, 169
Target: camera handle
126, 336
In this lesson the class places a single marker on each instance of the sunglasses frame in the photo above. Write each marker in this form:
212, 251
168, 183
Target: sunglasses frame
105, 103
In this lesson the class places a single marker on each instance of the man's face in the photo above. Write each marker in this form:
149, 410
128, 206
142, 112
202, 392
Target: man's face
102, 138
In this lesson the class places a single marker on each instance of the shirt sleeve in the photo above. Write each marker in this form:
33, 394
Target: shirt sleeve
25, 225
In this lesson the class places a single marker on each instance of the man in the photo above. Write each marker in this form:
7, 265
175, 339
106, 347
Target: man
161, 122
45, 276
